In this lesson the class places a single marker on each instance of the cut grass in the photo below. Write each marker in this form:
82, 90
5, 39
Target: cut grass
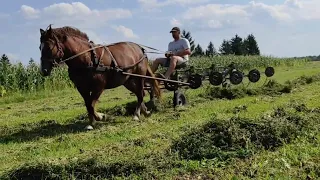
216, 141
46, 134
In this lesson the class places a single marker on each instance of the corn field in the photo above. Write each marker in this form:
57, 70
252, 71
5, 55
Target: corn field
17, 78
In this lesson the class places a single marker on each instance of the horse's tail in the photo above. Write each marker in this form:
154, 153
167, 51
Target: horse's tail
154, 82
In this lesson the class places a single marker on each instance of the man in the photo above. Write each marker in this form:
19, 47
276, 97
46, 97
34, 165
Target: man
178, 53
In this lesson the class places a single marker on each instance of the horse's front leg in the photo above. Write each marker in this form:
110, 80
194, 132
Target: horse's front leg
95, 97
90, 101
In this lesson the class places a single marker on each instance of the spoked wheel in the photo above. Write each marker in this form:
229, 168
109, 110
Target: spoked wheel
179, 99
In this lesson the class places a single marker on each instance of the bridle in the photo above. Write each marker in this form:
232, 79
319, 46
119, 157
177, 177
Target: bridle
60, 52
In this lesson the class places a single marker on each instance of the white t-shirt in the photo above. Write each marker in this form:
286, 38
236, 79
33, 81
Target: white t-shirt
179, 45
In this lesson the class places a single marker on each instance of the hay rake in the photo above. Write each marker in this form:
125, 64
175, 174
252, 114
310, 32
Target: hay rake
217, 75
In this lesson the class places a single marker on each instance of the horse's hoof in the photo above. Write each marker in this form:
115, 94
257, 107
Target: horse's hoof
135, 118
102, 117
147, 114
89, 127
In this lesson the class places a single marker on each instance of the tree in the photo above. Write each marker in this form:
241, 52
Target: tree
211, 50
198, 51
187, 35
32, 65
237, 45
31, 61
225, 47
4, 60
251, 46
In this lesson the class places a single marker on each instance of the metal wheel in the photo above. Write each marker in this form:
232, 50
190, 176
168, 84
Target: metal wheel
179, 99
254, 75
215, 78
269, 72
236, 77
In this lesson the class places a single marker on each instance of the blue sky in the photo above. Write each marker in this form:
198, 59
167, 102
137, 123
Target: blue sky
282, 27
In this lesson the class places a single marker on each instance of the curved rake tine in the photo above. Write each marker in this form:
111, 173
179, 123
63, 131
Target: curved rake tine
248, 84
242, 84
265, 81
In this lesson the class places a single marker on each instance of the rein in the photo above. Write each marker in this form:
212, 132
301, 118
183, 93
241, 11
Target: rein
101, 67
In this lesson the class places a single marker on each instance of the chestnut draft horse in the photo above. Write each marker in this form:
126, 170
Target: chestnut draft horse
93, 67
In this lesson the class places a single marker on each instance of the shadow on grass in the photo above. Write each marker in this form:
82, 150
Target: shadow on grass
44, 128
88, 169
51, 128
129, 108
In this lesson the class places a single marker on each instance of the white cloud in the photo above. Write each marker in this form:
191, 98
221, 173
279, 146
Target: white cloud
175, 22
220, 15
29, 12
152, 5
214, 11
214, 24
127, 32
74, 14
96, 38
13, 57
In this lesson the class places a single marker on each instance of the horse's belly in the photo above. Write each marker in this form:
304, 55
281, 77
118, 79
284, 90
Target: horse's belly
113, 83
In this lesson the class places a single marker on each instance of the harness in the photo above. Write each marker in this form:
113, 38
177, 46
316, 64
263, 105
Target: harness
97, 63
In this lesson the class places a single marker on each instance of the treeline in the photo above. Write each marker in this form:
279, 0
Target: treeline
312, 58
235, 46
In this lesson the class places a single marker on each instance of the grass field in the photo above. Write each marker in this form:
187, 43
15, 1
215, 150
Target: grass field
269, 134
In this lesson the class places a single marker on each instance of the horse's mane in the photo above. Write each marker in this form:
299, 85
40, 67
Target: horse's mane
70, 31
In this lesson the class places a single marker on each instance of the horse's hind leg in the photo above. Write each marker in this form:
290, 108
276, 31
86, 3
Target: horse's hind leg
135, 85
143, 106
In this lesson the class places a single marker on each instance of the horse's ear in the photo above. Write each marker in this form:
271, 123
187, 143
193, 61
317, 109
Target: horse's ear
49, 29
42, 31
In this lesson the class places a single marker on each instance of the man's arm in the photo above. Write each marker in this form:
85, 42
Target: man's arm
186, 49
169, 49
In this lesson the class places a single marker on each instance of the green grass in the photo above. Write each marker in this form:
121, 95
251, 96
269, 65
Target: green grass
43, 135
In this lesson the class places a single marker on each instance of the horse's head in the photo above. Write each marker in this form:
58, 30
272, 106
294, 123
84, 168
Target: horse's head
51, 49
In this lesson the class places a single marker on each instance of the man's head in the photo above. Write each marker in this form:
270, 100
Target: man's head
175, 32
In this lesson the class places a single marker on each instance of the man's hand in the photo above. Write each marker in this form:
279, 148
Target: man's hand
169, 53
183, 52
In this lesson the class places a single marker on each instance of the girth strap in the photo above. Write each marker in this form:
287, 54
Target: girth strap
112, 57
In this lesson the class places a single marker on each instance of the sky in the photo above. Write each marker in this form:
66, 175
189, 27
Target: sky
283, 28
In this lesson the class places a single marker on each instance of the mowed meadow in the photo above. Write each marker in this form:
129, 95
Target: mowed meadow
266, 130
